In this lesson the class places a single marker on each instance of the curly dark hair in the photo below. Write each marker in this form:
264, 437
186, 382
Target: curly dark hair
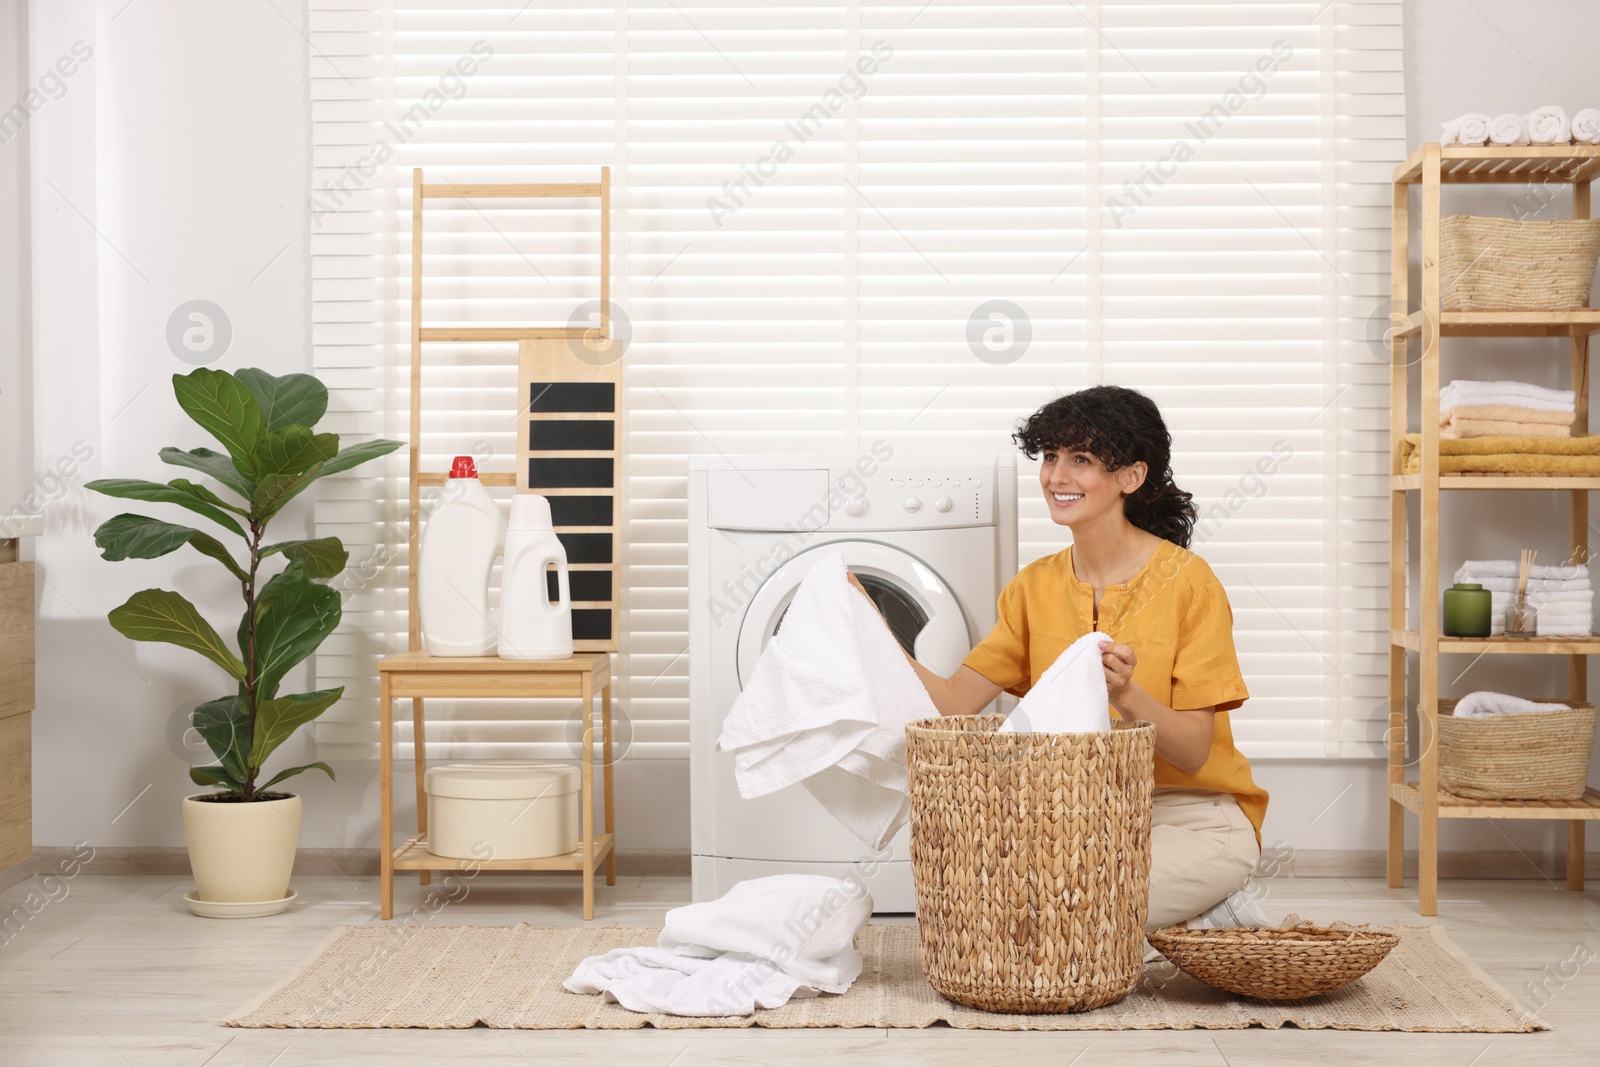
1119, 427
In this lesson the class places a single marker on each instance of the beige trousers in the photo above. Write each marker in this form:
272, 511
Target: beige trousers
1202, 847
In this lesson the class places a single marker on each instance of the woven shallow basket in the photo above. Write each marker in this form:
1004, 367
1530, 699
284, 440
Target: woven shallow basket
1276, 964
1489, 264
1540, 755
1031, 857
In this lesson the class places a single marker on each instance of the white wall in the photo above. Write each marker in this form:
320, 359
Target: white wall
201, 148
16, 404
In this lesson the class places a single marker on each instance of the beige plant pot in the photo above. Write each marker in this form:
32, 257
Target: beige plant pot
241, 853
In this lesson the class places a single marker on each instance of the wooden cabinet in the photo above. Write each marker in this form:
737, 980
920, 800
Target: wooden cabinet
16, 714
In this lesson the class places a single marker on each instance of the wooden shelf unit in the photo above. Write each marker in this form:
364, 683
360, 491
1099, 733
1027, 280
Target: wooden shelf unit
546, 361
1430, 168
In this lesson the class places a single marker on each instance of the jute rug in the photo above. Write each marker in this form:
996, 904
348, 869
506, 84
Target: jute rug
510, 978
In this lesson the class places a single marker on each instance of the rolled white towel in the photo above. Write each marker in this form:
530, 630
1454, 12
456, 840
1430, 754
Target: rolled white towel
1586, 126
1469, 129
1508, 568
1508, 129
1549, 125
1483, 704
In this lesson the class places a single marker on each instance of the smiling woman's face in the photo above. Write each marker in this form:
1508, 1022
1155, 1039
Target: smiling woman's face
1077, 486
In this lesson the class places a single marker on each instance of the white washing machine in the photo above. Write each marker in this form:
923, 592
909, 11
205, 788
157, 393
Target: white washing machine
932, 537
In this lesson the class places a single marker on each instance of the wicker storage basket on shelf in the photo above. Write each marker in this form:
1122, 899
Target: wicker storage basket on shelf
1540, 755
1276, 964
1031, 858
1490, 264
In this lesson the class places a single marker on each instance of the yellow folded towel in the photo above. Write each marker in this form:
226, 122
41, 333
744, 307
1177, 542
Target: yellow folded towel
1459, 428
1508, 455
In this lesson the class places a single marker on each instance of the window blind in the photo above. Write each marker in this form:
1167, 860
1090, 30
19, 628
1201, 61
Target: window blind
838, 223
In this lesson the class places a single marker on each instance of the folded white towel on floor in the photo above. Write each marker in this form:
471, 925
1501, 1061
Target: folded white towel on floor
1508, 129
1509, 568
1586, 126
1469, 129
765, 941
1070, 696
1549, 125
1484, 704
827, 706
1520, 394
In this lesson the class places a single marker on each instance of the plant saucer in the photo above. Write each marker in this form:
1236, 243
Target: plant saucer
253, 909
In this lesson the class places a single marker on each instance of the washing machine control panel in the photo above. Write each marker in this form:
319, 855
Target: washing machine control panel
910, 497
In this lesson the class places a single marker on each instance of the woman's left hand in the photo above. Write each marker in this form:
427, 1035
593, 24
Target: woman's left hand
1118, 661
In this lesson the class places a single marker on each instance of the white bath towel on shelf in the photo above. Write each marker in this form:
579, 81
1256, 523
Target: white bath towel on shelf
1509, 568
1522, 394
1469, 129
1508, 129
827, 706
1549, 125
1484, 704
1586, 126
1559, 627
764, 942
1070, 696
1535, 585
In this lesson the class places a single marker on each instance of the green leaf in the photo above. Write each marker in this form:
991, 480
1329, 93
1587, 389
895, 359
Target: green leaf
356, 455
225, 725
181, 492
292, 771
207, 461
226, 410
293, 615
128, 536
292, 400
162, 615
293, 450
215, 776
274, 491
279, 718
202, 493
322, 558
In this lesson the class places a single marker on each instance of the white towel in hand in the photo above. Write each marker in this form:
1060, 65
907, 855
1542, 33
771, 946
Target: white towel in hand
765, 941
1070, 696
1586, 126
1548, 125
1470, 129
1508, 129
1484, 704
827, 706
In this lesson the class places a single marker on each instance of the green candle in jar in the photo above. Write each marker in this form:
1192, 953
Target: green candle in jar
1466, 610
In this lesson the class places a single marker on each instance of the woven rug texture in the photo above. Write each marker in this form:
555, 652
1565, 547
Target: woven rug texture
510, 977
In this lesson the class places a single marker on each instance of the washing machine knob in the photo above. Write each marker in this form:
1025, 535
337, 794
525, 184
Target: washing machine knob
944, 503
912, 503
855, 506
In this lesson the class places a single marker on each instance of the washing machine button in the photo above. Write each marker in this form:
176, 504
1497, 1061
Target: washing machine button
855, 506
976, 483
911, 503
898, 483
944, 503
916, 483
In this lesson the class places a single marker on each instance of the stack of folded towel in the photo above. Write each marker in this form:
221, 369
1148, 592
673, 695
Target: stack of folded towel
1562, 595
1547, 125
1507, 455
1504, 409
1484, 704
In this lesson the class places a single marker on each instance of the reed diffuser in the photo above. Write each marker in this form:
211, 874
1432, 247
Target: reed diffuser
1522, 620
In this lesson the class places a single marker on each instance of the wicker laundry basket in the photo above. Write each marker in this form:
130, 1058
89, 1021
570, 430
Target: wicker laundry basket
1540, 755
1288, 963
1490, 264
1031, 858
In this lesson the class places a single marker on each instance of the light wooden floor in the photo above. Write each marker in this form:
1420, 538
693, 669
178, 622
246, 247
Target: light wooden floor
118, 972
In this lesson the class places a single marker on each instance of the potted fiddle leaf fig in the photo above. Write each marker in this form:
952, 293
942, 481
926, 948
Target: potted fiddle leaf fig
242, 838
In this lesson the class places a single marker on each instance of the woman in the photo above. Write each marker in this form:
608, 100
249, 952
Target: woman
1106, 473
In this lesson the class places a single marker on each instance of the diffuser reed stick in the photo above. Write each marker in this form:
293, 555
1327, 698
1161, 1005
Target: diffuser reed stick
1519, 620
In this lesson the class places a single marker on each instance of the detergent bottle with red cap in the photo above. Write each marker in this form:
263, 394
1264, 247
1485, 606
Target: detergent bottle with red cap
460, 543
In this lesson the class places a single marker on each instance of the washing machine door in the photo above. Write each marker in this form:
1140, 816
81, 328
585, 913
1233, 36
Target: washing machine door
922, 612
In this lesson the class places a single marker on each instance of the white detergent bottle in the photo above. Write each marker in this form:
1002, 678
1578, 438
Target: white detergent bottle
460, 543
532, 625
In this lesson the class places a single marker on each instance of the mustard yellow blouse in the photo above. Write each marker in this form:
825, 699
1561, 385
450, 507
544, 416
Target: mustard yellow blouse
1175, 616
